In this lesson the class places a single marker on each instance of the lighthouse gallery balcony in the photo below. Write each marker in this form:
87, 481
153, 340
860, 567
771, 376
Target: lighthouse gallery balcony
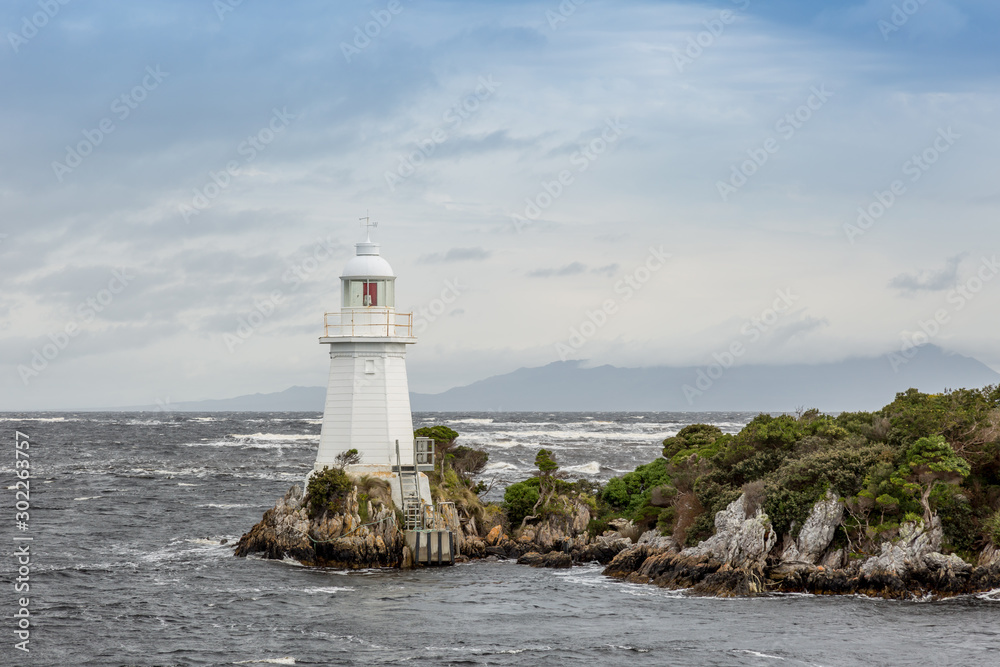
368, 322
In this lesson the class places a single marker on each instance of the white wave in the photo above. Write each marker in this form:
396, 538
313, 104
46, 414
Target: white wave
228, 506
87, 498
592, 468
326, 589
36, 419
469, 421
499, 465
269, 661
990, 596
183, 484
757, 654
274, 436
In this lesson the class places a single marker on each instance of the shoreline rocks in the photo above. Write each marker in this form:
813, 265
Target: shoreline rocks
740, 560
339, 540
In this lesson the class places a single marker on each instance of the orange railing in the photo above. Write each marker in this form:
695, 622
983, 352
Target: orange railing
368, 322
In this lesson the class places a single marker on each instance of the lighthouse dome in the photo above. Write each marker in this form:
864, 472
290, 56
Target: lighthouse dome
367, 263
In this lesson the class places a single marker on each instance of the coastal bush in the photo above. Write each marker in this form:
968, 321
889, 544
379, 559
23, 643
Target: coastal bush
631, 492
519, 499
327, 491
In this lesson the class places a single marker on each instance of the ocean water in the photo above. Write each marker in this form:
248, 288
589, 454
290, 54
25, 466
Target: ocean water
129, 512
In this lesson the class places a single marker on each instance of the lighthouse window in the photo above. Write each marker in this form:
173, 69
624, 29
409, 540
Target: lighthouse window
369, 366
371, 293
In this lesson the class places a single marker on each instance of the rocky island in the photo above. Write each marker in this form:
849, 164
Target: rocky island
903, 502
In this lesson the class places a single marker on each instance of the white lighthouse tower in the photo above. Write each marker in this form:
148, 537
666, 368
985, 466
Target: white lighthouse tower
367, 396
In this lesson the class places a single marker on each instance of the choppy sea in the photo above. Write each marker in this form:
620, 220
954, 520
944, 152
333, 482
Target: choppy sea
129, 511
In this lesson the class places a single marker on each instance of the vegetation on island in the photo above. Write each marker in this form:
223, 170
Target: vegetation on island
921, 455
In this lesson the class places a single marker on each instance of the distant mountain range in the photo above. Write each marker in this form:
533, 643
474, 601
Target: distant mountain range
852, 384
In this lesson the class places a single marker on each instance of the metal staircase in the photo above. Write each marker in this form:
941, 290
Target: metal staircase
409, 492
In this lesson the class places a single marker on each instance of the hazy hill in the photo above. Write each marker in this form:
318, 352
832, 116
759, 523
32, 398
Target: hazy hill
853, 384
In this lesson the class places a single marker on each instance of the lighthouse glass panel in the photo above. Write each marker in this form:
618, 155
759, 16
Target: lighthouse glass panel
369, 293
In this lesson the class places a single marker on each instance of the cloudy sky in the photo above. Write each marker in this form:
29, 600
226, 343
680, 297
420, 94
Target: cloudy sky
633, 183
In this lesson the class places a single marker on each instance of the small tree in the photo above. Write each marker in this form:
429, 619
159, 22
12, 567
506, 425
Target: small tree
350, 457
547, 467
931, 461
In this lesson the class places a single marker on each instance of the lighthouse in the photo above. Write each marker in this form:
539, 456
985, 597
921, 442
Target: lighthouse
367, 396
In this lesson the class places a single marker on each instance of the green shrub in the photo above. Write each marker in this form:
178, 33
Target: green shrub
327, 491
519, 499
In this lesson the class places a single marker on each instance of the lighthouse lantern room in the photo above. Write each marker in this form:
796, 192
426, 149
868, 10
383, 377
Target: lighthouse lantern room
367, 397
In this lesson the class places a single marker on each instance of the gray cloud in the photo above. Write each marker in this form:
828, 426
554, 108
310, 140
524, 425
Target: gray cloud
926, 280
568, 270
455, 255
608, 270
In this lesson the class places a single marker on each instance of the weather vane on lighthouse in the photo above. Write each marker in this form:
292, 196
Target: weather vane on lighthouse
368, 225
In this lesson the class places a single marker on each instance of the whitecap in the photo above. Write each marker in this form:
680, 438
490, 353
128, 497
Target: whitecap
270, 661
592, 468
499, 465
326, 589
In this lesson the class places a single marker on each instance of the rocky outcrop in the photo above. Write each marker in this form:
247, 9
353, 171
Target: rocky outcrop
740, 559
740, 541
817, 532
338, 539
557, 539
731, 562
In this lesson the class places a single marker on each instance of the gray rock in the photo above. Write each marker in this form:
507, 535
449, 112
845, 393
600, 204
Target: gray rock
654, 540
907, 553
817, 532
739, 541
